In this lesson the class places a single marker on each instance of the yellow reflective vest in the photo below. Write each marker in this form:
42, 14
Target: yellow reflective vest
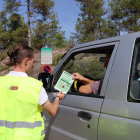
20, 114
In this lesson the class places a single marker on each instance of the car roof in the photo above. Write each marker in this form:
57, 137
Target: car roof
108, 40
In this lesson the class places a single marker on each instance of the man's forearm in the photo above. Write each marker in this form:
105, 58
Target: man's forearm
87, 81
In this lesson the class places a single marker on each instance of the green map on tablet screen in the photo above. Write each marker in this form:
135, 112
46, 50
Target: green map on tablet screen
64, 83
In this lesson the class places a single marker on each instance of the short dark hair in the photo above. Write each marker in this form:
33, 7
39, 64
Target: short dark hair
18, 53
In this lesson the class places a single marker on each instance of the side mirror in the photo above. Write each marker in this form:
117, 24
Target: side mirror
45, 78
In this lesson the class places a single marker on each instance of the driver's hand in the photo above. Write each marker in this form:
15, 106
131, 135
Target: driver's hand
60, 94
78, 77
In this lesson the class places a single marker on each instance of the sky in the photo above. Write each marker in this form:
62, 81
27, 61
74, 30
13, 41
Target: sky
67, 11
67, 14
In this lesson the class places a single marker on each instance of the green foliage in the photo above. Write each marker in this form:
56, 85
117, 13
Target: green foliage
89, 26
19, 36
126, 15
95, 69
15, 21
3, 20
109, 29
3, 54
57, 59
59, 41
41, 7
11, 5
36, 9
4, 68
48, 33
14, 32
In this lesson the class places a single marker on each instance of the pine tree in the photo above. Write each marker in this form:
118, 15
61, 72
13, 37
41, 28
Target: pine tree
115, 14
109, 29
125, 14
34, 8
15, 21
13, 30
3, 20
132, 16
89, 26
48, 33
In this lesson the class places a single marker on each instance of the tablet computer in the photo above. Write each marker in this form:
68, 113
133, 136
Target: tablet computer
64, 82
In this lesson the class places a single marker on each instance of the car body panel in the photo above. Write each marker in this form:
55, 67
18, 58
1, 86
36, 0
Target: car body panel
113, 117
121, 117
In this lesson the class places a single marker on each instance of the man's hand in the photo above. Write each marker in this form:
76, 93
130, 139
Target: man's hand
60, 94
78, 77
82, 79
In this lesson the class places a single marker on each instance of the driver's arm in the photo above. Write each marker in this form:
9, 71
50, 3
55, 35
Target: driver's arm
85, 89
91, 88
82, 79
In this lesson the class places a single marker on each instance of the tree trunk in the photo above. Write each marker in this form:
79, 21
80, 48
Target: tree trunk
29, 28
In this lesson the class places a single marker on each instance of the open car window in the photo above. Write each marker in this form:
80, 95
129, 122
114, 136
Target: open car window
88, 64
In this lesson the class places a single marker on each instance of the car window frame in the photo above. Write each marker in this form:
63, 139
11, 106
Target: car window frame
129, 96
74, 51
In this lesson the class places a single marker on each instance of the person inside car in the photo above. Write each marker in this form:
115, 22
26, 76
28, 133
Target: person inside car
91, 86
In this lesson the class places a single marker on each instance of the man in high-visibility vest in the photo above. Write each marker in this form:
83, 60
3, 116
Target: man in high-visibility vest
22, 99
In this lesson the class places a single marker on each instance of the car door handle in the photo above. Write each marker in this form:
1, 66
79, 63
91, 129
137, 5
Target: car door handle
85, 115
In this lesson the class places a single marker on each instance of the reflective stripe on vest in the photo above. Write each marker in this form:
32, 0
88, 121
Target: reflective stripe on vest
20, 124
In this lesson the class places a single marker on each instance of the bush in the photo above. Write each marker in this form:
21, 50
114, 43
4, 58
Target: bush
3, 54
4, 68
57, 59
95, 69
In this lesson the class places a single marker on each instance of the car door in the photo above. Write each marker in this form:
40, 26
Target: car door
78, 114
120, 113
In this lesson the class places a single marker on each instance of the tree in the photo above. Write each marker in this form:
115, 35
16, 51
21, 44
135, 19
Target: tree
15, 21
115, 14
59, 40
89, 26
48, 33
13, 30
3, 19
34, 8
125, 14
108, 29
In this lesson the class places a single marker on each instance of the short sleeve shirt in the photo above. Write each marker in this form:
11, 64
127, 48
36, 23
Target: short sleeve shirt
95, 86
43, 97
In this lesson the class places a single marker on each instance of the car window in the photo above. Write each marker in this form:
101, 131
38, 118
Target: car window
88, 64
134, 92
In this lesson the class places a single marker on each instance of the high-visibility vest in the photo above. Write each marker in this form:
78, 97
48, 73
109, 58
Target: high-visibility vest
20, 114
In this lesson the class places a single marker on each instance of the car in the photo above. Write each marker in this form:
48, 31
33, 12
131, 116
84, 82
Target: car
111, 114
